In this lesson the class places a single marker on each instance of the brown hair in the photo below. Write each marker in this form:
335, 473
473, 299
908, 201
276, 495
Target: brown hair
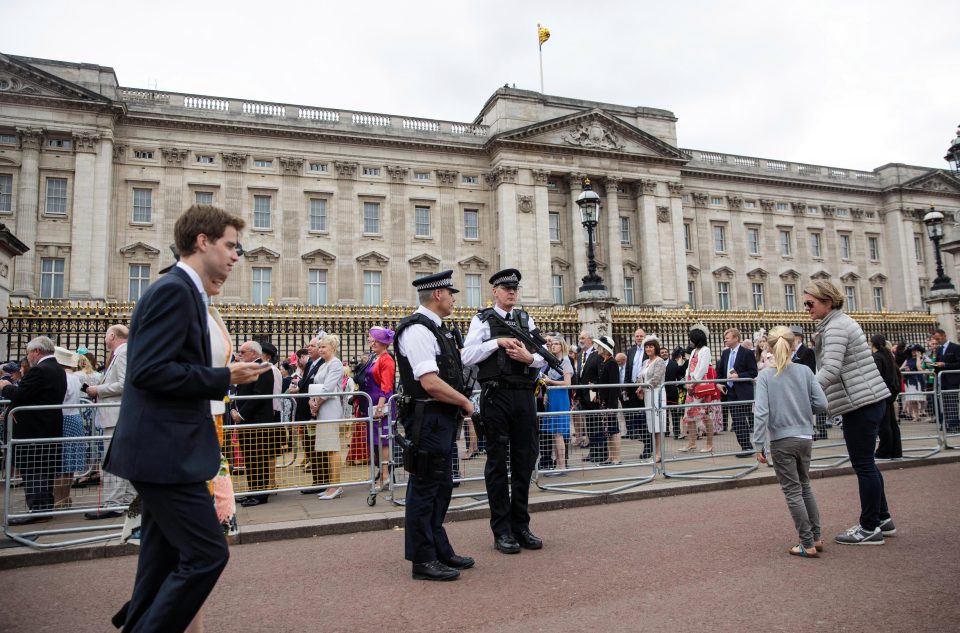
825, 291
203, 219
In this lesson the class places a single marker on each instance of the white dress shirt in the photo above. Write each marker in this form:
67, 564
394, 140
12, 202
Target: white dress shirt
478, 345
419, 346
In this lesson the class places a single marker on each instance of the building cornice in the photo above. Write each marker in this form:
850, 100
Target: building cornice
693, 172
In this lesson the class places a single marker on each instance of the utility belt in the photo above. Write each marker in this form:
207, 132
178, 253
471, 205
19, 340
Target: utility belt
509, 383
416, 461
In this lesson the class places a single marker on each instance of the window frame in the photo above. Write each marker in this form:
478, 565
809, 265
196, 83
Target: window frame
556, 289
417, 224
53, 276
723, 295
322, 217
269, 212
318, 286
786, 245
372, 204
368, 300
753, 231
475, 213
149, 206
142, 282
257, 284
6, 196
473, 293
47, 197
722, 235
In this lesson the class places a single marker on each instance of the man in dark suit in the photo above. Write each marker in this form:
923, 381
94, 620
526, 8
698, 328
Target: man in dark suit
44, 384
738, 362
165, 442
636, 422
948, 359
258, 445
302, 411
588, 373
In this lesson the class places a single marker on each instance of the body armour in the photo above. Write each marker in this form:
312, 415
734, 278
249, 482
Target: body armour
498, 366
448, 362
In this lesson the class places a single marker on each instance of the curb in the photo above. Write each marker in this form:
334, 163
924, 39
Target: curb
310, 528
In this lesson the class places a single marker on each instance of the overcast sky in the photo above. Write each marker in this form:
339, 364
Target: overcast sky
844, 83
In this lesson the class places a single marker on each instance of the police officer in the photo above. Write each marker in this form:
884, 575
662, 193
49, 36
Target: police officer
431, 375
508, 372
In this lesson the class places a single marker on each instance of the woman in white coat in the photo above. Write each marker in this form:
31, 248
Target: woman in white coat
325, 462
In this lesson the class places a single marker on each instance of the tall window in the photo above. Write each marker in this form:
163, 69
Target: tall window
719, 238
790, 297
261, 212
786, 246
317, 286
556, 287
421, 221
318, 214
918, 247
624, 230
873, 245
628, 297
878, 299
371, 219
471, 224
142, 205
6, 193
687, 237
844, 246
757, 296
753, 241
371, 287
723, 295
51, 278
554, 223
851, 294
816, 245
261, 285
203, 197
57, 196
139, 280
692, 293
473, 290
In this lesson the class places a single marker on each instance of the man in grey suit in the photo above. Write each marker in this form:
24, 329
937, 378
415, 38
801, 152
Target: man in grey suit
116, 492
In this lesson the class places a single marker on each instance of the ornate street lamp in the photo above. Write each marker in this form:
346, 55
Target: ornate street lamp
953, 155
589, 203
934, 221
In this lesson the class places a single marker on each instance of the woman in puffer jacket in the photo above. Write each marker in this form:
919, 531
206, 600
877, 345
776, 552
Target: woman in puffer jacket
855, 390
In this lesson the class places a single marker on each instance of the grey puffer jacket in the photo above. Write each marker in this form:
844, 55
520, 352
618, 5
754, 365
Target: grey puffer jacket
848, 373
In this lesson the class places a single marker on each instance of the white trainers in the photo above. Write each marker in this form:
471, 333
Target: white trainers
859, 536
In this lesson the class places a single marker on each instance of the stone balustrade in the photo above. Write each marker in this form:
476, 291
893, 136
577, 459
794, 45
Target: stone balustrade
714, 159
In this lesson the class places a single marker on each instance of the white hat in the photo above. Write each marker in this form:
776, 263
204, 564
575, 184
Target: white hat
605, 343
65, 357
651, 338
701, 327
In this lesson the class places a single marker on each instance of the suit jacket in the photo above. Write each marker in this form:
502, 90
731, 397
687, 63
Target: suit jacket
805, 356
608, 374
951, 360
674, 372
111, 387
302, 411
628, 373
745, 364
256, 411
587, 372
44, 383
165, 434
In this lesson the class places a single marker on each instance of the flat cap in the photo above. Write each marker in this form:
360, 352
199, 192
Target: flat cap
508, 277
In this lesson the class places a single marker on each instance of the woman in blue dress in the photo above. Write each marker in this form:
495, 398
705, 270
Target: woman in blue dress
558, 426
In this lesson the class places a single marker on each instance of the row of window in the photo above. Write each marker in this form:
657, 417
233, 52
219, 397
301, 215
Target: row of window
717, 201
758, 296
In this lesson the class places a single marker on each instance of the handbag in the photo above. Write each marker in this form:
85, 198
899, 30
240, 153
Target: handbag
707, 390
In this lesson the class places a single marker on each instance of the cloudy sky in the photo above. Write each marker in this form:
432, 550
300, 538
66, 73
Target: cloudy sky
844, 83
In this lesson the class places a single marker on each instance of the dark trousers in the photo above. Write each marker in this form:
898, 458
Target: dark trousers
890, 446
595, 424
742, 414
38, 463
428, 498
949, 410
636, 423
676, 418
259, 448
510, 416
860, 428
182, 553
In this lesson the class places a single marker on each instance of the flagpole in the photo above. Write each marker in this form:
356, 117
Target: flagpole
540, 47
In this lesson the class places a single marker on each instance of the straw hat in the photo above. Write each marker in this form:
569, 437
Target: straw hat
651, 338
65, 357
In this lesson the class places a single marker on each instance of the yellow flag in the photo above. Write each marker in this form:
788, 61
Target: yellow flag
543, 33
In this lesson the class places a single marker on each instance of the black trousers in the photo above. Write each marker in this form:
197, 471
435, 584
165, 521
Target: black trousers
890, 446
636, 423
742, 414
425, 539
510, 416
38, 463
182, 553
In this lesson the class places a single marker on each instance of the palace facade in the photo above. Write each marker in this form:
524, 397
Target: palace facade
348, 207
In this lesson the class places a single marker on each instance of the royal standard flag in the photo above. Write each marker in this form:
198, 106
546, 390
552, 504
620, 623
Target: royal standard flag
543, 33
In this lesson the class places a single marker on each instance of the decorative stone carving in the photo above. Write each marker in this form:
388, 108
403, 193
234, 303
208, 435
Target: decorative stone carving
632, 266
790, 275
767, 205
262, 252
592, 135
559, 265
233, 161
879, 279
676, 188
850, 278
139, 250
30, 138
473, 263
290, 166
700, 199
502, 174
174, 156
525, 203
540, 176
757, 274
446, 176
424, 262
318, 255
828, 210
612, 184
724, 273
798, 207
119, 149
692, 271
345, 169
85, 142
735, 202
397, 173
663, 214
4, 270
649, 187
576, 179
373, 258
871, 214
820, 274
857, 213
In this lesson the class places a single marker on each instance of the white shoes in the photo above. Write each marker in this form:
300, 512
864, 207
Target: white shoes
327, 496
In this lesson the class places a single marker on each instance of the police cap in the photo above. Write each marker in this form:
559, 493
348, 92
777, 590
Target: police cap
435, 282
508, 278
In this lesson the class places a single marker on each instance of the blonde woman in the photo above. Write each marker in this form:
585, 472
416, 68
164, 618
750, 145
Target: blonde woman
325, 461
762, 350
787, 397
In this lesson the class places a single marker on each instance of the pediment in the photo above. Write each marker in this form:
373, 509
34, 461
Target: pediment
790, 275
262, 252
139, 249
423, 260
724, 272
757, 273
631, 265
559, 264
935, 180
8, 162
318, 255
820, 274
473, 263
850, 278
27, 80
878, 279
373, 258
693, 271
593, 131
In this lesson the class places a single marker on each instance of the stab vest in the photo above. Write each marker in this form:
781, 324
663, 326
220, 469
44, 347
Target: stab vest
448, 361
498, 366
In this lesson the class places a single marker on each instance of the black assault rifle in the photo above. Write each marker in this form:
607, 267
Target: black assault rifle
532, 339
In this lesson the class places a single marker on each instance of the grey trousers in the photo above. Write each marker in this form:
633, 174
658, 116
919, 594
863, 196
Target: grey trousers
116, 491
791, 463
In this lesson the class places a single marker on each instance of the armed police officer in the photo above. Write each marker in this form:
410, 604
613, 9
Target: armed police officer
431, 376
508, 371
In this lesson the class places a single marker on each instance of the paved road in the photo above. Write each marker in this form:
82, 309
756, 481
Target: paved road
710, 562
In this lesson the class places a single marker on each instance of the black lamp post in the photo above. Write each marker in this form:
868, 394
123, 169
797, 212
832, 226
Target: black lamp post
934, 221
589, 203
953, 155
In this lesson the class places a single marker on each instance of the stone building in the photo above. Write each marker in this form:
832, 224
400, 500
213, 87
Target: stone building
348, 207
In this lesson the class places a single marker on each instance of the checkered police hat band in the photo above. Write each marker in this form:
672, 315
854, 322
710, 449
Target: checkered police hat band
506, 279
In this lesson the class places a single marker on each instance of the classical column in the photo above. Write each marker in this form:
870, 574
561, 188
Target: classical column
652, 274
679, 255
903, 292
81, 216
401, 250
28, 208
541, 202
293, 287
614, 248
117, 289
101, 252
238, 286
503, 180
445, 219
578, 234
347, 227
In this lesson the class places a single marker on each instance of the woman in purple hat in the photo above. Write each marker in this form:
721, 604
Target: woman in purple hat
378, 380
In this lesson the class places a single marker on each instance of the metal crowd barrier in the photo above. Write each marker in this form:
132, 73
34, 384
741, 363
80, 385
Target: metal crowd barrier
948, 409
829, 451
613, 462
726, 453
920, 436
